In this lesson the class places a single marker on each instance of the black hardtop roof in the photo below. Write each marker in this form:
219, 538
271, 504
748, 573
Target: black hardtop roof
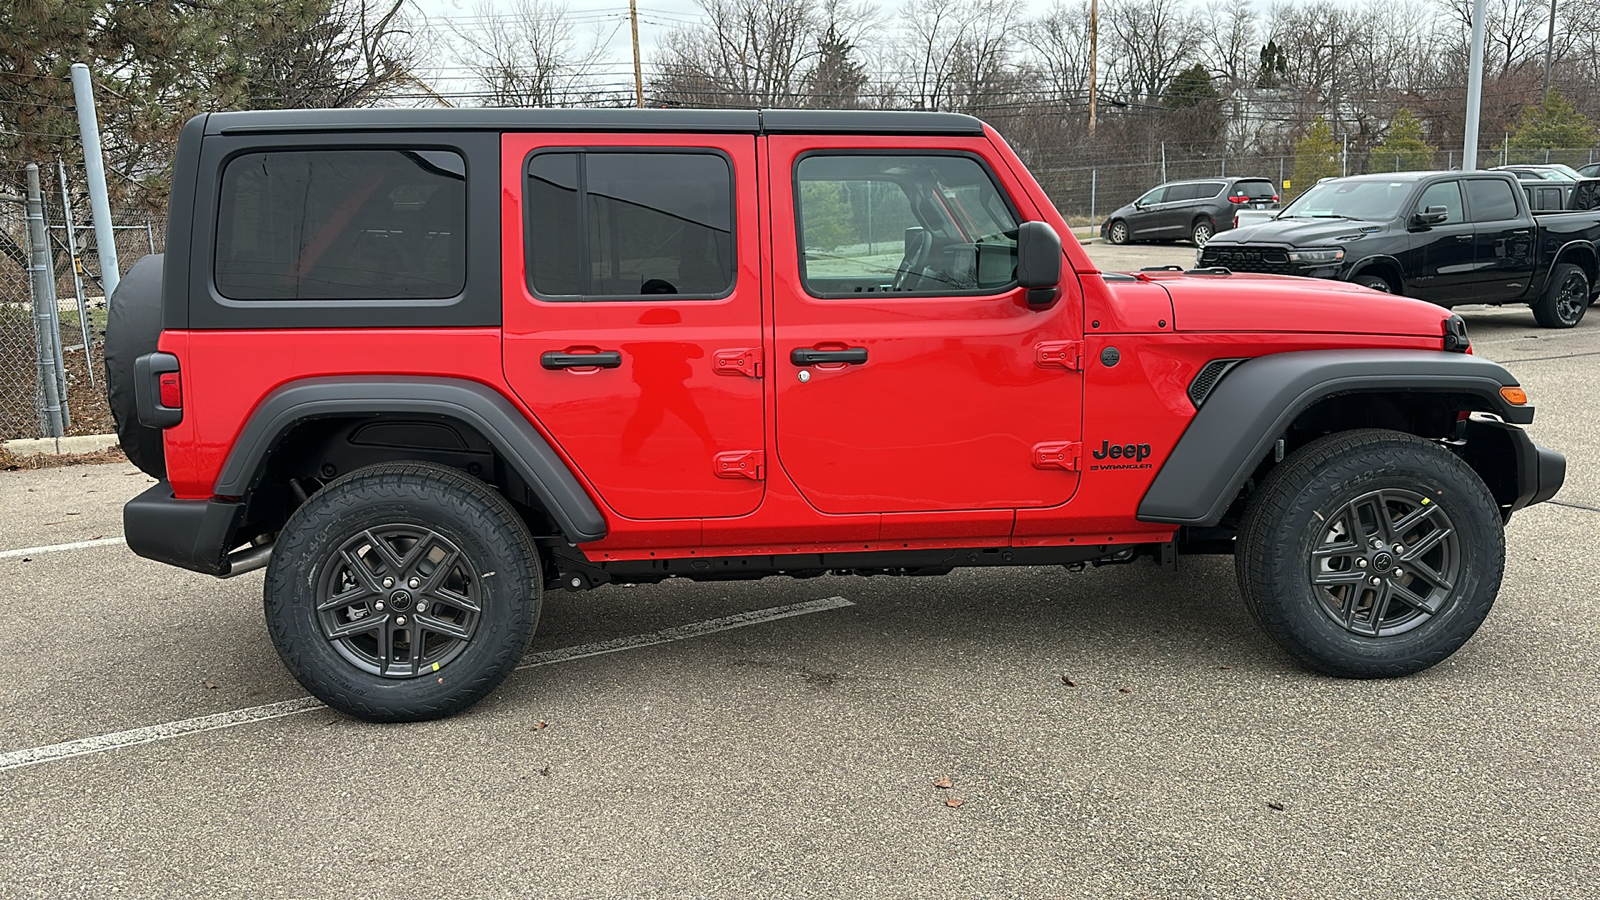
728, 121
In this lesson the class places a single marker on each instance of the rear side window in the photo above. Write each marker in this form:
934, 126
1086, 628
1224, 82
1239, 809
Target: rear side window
1255, 190
619, 225
1205, 190
342, 225
1491, 200
1446, 194
1180, 192
923, 224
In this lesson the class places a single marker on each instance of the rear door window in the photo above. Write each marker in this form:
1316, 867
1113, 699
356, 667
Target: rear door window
1180, 192
1491, 200
342, 225
623, 225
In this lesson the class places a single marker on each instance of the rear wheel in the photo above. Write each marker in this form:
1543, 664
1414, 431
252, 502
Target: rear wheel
1371, 554
1202, 231
1565, 299
1118, 232
402, 591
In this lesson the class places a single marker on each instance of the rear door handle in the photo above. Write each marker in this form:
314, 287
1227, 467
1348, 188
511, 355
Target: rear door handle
1465, 237
805, 356
609, 359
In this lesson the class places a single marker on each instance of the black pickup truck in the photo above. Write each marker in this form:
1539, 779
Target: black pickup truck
1451, 238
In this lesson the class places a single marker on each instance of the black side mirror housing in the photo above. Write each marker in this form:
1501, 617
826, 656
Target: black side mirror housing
1039, 263
1433, 215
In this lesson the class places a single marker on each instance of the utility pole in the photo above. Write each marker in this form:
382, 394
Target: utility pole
638, 72
1094, 57
1469, 153
1549, 48
94, 168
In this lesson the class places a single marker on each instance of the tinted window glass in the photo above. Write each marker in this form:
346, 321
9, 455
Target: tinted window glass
342, 225
1255, 190
1446, 194
1205, 190
930, 224
624, 224
1491, 201
1180, 192
1156, 196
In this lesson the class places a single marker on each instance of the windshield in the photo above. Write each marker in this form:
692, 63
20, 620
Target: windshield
1367, 200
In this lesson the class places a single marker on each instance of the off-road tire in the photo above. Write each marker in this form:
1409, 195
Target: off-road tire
1118, 232
1297, 509
133, 326
1202, 231
1565, 298
498, 571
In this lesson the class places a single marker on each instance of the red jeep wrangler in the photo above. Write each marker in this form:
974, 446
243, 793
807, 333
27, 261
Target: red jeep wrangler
425, 365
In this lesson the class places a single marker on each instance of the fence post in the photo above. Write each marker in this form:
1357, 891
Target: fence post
1094, 177
77, 271
47, 334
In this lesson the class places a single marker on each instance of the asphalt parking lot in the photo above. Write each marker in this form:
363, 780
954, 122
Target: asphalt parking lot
783, 738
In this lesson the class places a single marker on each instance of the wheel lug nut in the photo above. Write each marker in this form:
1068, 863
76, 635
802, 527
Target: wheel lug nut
1399, 548
1399, 573
414, 584
378, 606
421, 606
1361, 563
1377, 580
388, 582
400, 620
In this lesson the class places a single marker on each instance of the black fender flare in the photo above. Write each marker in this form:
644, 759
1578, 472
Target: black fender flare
1256, 401
1377, 260
1564, 254
477, 405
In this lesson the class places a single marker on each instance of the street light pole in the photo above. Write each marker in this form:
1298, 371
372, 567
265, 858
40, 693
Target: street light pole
1469, 153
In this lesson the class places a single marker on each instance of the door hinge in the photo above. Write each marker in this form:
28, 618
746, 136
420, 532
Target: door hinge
740, 361
1059, 354
1056, 455
751, 464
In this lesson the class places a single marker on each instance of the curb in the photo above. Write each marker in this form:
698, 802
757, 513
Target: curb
83, 443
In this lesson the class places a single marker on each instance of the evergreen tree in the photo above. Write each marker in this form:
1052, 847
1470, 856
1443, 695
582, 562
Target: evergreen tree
1554, 124
1316, 156
1403, 149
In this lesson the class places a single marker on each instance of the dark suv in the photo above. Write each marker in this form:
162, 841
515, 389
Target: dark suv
1188, 210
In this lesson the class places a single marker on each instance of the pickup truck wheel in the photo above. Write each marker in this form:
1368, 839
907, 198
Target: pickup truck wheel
1371, 554
1202, 231
1118, 232
1374, 282
1565, 299
402, 592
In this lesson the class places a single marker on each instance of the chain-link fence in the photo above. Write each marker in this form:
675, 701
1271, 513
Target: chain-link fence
1086, 194
80, 304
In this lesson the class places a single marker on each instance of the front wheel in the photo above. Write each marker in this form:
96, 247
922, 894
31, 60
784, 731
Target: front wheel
1375, 283
402, 592
1371, 554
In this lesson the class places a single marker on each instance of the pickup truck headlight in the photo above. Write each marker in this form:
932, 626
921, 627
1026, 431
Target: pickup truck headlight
1315, 257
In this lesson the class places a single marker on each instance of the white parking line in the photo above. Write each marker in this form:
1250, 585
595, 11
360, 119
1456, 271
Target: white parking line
57, 548
16, 759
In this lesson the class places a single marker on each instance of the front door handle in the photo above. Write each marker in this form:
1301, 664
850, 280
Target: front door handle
608, 359
1465, 237
805, 356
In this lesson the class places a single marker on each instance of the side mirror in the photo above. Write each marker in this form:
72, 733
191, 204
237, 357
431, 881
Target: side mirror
1039, 263
1433, 215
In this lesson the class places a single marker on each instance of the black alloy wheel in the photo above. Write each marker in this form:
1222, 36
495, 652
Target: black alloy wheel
402, 591
1375, 282
1387, 562
399, 601
1371, 553
1565, 300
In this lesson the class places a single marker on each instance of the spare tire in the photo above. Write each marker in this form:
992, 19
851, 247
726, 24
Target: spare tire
133, 326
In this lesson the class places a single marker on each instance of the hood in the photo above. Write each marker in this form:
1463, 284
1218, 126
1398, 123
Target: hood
1280, 303
1300, 232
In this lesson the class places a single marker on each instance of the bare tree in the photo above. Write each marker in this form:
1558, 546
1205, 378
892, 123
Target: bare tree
335, 53
1058, 45
528, 55
957, 54
745, 53
1150, 42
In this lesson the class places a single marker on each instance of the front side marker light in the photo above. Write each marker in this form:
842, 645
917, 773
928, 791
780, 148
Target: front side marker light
1515, 396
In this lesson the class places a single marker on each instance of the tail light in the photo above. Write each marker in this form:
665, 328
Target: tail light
1239, 199
171, 390
158, 390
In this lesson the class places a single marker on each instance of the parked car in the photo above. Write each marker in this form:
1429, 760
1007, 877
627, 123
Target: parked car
1446, 237
1192, 210
425, 365
1540, 172
1592, 170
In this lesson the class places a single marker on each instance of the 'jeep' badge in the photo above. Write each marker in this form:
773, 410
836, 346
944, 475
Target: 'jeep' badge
1129, 456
